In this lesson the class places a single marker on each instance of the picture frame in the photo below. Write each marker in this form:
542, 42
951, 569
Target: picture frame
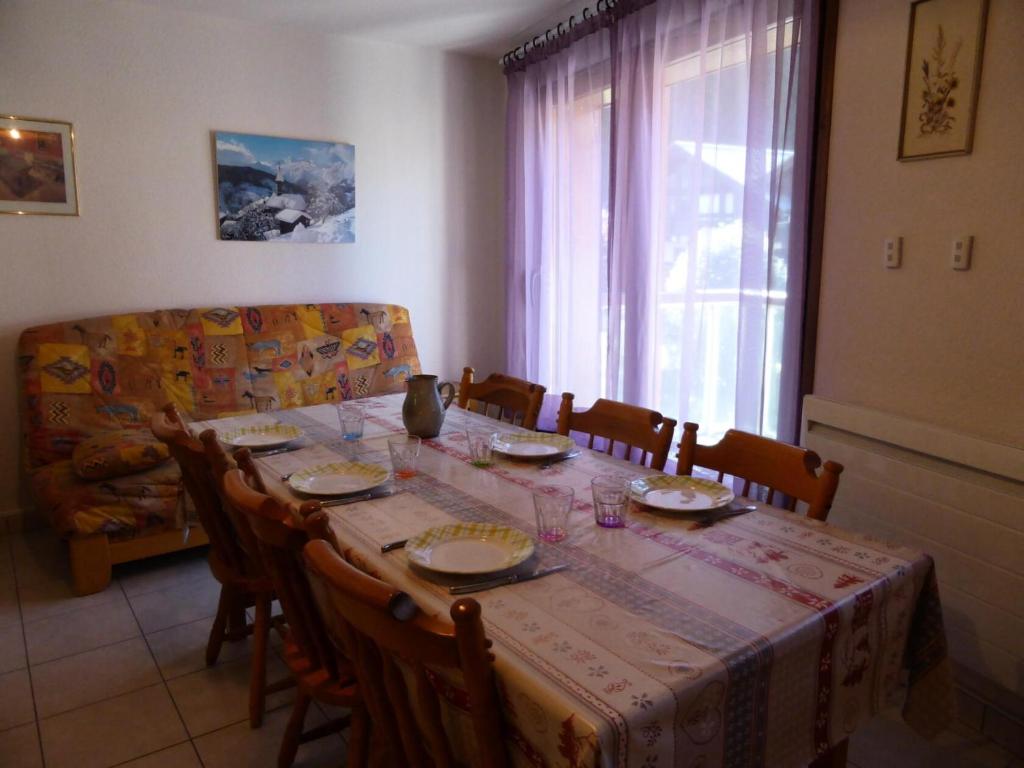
945, 48
283, 189
37, 166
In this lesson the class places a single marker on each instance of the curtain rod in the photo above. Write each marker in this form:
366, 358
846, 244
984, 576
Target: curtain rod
553, 33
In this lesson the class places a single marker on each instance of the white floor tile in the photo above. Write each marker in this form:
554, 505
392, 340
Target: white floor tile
176, 605
112, 731
19, 747
80, 630
52, 597
887, 742
164, 572
218, 696
12, 648
84, 678
180, 756
239, 747
181, 650
9, 612
15, 699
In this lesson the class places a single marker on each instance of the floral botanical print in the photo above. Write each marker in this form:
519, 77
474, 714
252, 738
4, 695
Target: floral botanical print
940, 80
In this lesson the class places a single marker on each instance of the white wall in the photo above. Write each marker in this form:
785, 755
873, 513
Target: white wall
924, 342
144, 87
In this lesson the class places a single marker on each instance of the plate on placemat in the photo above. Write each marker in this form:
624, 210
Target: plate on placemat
680, 494
469, 548
338, 478
533, 445
261, 436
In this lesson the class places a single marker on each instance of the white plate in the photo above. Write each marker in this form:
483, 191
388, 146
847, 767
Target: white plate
338, 478
469, 548
680, 493
533, 445
262, 436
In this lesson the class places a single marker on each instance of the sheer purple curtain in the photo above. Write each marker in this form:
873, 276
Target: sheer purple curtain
669, 274
556, 199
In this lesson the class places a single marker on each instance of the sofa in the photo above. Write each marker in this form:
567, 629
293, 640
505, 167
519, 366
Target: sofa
89, 388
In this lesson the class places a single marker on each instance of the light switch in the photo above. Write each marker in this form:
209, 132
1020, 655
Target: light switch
960, 257
893, 253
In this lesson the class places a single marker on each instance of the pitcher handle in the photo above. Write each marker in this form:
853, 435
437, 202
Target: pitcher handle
451, 392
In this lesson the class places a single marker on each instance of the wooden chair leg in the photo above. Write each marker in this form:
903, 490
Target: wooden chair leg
219, 628
258, 670
90, 563
293, 732
834, 758
359, 739
238, 623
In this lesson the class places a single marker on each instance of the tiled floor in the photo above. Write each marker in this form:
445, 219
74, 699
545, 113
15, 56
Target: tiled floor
119, 678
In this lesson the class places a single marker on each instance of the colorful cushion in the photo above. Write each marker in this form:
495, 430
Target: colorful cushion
135, 505
118, 453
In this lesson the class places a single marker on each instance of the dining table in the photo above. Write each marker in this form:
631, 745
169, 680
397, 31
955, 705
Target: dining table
764, 639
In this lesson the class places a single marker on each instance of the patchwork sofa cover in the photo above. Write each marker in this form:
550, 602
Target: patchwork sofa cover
84, 378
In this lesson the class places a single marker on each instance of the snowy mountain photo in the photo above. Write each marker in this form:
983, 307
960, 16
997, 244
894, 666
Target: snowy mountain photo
273, 188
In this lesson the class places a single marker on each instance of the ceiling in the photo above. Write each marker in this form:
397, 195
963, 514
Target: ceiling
484, 27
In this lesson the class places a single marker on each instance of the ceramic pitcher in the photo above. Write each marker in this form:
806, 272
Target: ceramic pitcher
423, 410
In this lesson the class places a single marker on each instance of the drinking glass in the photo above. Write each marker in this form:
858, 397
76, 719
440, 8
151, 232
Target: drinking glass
351, 417
481, 443
405, 453
611, 500
552, 503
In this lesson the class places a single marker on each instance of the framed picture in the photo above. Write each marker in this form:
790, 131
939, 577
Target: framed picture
292, 190
940, 85
37, 166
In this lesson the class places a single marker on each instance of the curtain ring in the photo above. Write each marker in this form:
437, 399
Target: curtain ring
599, 7
547, 38
586, 13
572, 21
535, 41
558, 30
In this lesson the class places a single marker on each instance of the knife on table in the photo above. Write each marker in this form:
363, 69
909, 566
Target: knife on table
354, 499
515, 578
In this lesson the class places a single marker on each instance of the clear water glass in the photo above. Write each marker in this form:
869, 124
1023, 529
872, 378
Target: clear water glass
405, 454
553, 503
611, 500
481, 446
351, 416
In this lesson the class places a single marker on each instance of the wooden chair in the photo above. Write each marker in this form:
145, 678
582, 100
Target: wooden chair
319, 671
781, 467
243, 580
634, 427
385, 633
514, 398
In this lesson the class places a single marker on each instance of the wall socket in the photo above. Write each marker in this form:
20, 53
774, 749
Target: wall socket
960, 255
892, 255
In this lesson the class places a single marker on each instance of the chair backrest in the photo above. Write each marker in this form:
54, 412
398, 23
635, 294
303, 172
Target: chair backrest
783, 468
280, 538
201, 485
220, 463
384, 632
517, 400
634, 427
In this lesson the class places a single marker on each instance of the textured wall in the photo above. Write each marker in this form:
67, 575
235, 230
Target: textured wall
924, 341
145, 86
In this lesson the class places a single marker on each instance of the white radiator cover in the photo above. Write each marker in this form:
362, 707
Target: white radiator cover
959, 498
